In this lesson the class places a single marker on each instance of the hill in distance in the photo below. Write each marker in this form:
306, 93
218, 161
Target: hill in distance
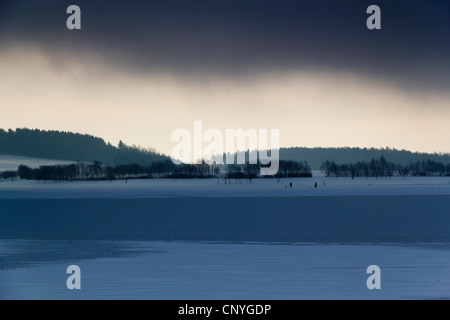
316, 156
67, 146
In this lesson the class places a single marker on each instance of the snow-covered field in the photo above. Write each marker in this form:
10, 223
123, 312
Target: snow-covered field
201, 239
214, 188
8, 162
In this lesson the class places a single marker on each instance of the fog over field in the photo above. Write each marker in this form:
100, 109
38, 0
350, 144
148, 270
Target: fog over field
9, 162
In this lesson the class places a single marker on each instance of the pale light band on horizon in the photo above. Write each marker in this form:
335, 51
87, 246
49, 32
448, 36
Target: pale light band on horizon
310, 108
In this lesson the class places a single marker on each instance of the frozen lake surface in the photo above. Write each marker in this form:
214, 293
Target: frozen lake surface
200, 239
177, 270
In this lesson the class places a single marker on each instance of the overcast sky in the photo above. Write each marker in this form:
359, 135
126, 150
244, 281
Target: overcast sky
140, 69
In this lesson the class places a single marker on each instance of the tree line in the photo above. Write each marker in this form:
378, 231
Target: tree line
157, 170
81, 171
382, 168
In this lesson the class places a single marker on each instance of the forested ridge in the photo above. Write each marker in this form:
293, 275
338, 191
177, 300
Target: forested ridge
70, 146
316, 156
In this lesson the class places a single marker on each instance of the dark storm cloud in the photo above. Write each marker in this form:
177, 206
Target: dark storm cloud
238, 37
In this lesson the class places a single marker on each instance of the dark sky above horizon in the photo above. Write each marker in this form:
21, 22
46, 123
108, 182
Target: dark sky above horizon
247, 36
188, 57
